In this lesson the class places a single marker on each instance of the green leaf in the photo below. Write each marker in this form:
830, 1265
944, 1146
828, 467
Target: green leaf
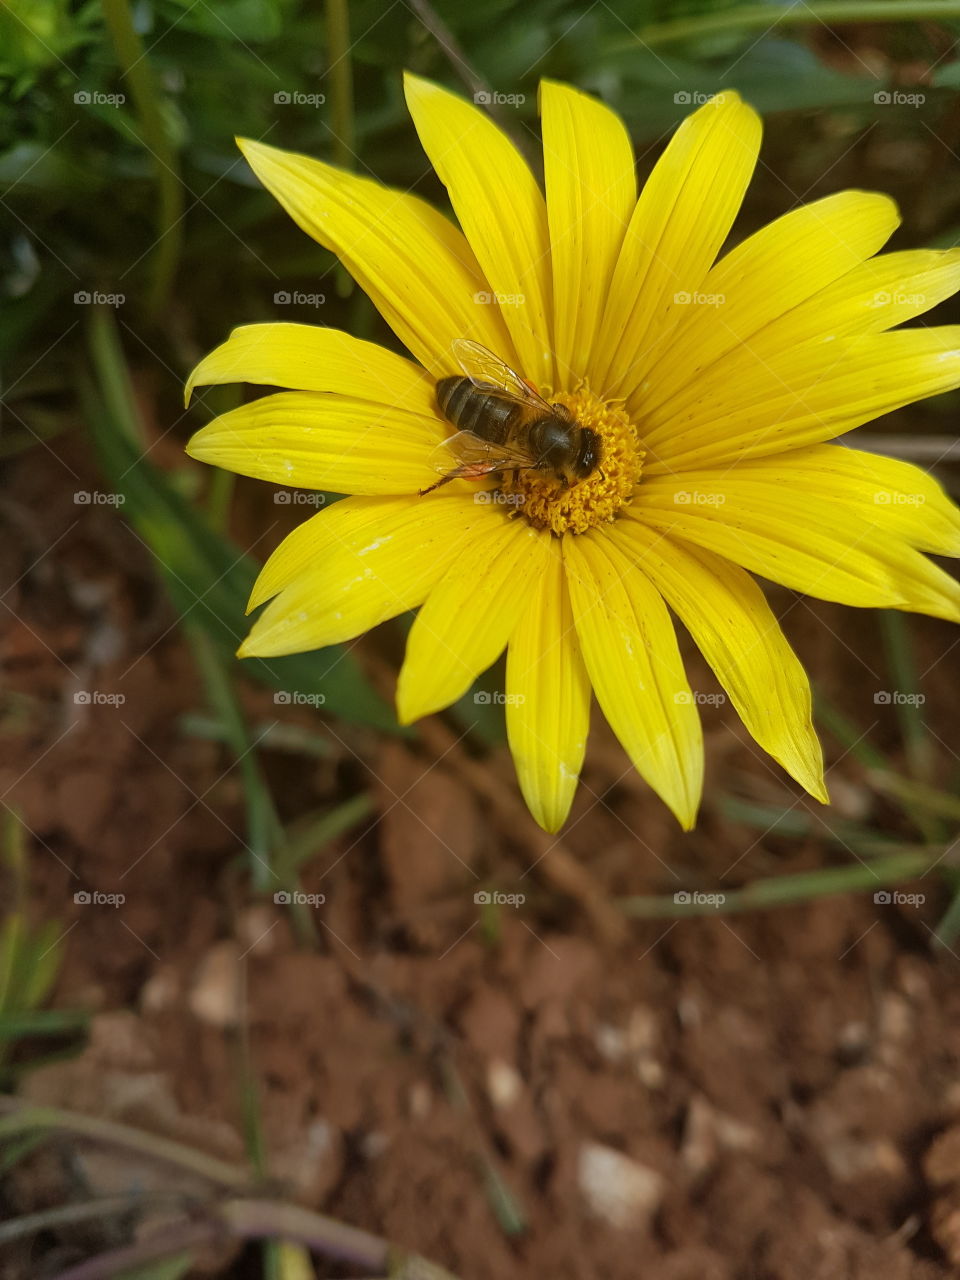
208, 579
163, 1269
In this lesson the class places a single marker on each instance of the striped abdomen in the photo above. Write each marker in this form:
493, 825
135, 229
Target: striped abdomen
485, 413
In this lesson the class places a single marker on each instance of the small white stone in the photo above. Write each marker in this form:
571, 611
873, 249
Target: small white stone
503, 1083
421, 1102
160, 991
617, 1189
215, 997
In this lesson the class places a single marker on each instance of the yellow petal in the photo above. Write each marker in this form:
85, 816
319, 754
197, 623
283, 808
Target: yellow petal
772, 271
591, 192
876, 295
323, 442
681, 220
802, 396
735, 629
894, 496
353, 566
416, 266
805, 535
470, 614
501, 210
631, 654
548, 698
306, 357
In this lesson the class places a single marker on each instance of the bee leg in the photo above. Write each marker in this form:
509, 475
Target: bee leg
443, 480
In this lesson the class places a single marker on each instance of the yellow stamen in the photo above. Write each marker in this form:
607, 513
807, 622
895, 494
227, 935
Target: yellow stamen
598, 499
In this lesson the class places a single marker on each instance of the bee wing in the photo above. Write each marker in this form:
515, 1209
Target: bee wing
479, 457
486, 370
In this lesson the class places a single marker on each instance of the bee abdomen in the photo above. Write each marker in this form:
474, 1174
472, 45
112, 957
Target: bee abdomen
471, 409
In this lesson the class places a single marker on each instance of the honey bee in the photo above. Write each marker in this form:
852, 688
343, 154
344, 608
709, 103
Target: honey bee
506, 425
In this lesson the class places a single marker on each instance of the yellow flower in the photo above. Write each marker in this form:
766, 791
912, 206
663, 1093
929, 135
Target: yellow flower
713, 385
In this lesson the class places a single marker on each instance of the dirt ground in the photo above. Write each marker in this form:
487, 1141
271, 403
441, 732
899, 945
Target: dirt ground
511, 1092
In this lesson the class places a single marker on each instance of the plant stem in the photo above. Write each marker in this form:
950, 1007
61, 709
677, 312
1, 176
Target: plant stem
138, 74
102, 1207
22, 1119
786, 891
761, 17
907, 696
340, 72
264, 830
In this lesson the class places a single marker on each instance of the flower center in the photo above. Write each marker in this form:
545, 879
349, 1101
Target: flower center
597, 499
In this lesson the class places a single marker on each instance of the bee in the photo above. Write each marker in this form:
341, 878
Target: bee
506, 425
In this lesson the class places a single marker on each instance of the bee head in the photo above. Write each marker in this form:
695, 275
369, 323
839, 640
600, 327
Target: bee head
588, 454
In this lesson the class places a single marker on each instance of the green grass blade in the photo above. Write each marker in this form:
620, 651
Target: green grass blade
790, 890
208, 579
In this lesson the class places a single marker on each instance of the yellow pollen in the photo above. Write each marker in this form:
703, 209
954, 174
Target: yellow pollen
541, 497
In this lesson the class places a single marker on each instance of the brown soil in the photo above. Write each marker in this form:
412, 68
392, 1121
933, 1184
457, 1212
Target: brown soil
784, 1086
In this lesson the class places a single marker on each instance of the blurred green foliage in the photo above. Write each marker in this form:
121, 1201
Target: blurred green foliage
85, 187
80, 188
